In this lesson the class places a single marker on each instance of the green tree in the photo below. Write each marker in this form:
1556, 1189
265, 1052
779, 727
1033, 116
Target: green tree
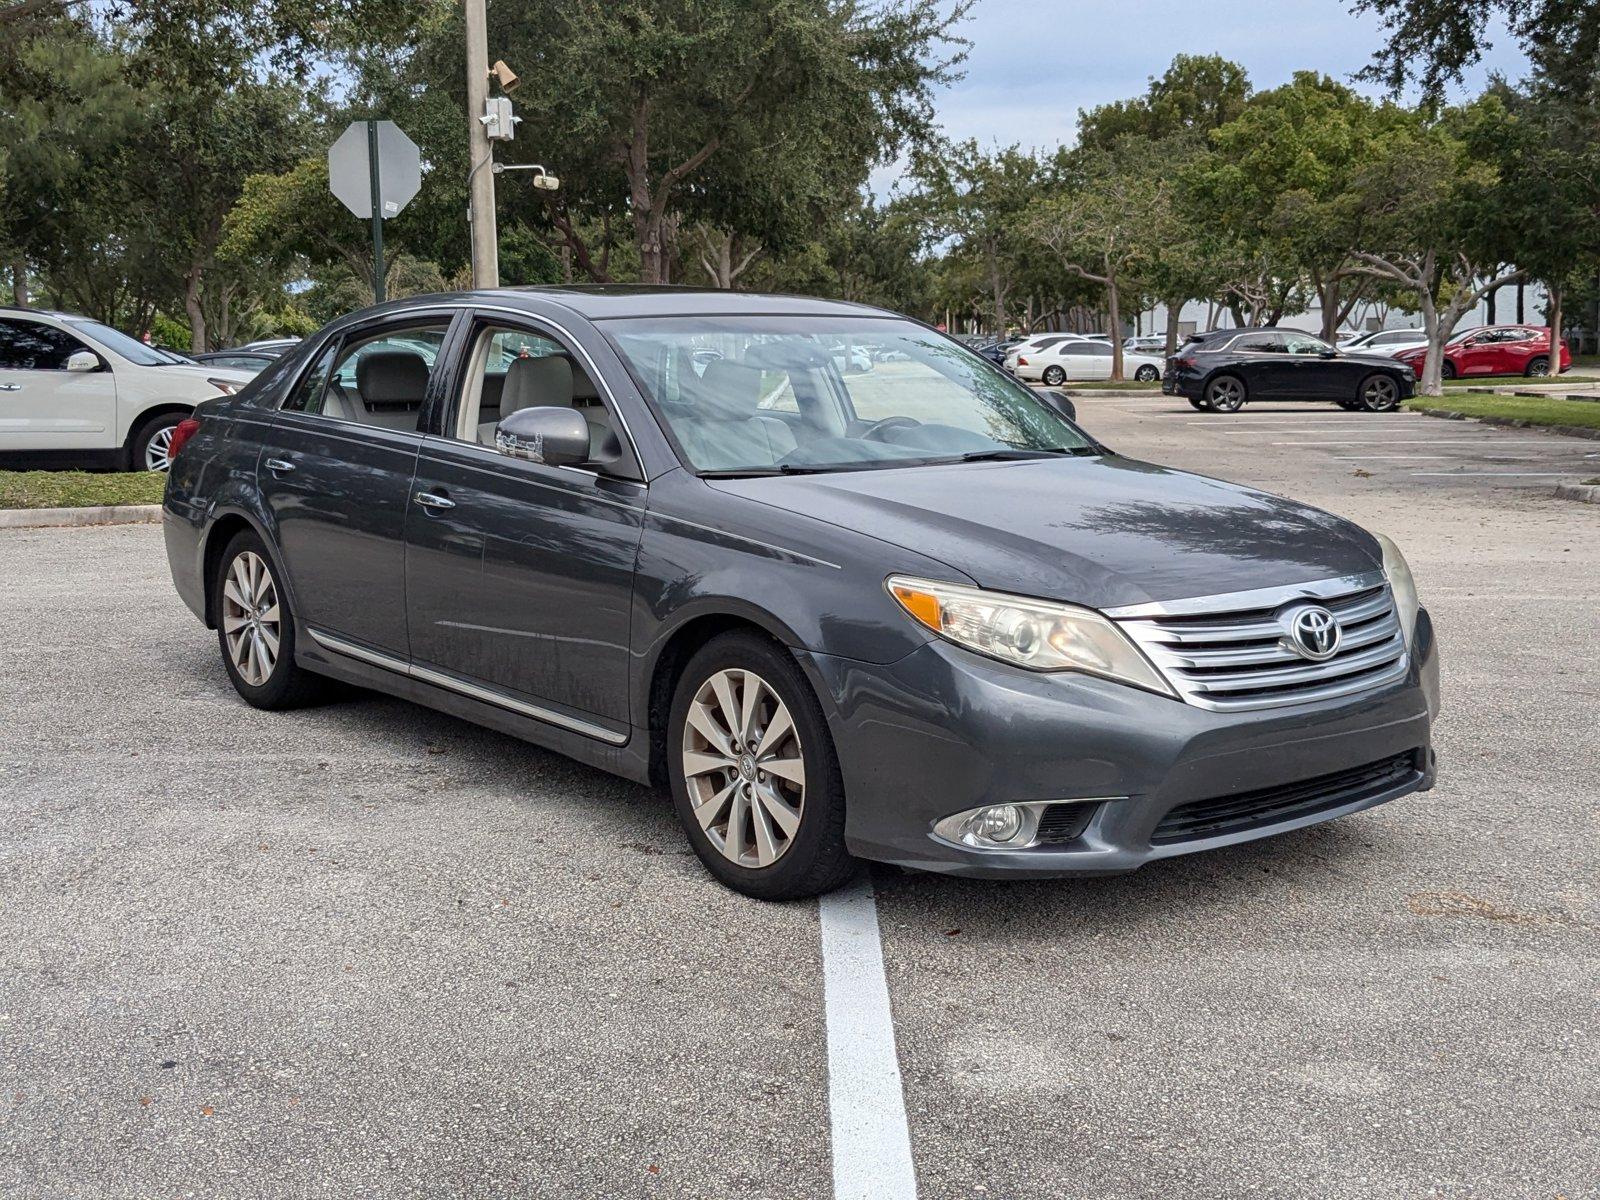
1437, 219
1196, 94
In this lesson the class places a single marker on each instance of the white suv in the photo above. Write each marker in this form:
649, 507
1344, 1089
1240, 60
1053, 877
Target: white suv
73, 391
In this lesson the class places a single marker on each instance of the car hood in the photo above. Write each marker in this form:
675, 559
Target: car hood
1102, 531
203, 371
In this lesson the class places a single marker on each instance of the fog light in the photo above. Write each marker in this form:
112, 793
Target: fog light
1002, 823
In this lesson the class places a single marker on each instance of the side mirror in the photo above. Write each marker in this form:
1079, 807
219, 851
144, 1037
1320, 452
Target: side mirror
83, 360
556, 437
1062, 403
1330, 352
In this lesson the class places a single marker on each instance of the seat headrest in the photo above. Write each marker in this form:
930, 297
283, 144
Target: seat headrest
543, 382
392, 377
728, 391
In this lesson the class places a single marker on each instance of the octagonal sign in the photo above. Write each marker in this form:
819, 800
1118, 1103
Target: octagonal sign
350, 171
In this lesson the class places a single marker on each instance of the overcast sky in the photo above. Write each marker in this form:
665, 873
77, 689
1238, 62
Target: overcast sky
1035, 63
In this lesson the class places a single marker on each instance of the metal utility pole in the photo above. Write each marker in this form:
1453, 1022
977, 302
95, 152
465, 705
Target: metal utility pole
377, 213
480, 183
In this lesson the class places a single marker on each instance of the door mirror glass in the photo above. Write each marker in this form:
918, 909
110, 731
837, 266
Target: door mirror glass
556, 437
1329, 352
82, 360
1062, 403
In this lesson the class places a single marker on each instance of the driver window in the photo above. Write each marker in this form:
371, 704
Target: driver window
512, 367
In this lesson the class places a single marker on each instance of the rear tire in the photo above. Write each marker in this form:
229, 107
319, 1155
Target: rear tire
1199, 405
1054, 376
255, 628
1538, 368
1226, 394
1147, 374
754, 773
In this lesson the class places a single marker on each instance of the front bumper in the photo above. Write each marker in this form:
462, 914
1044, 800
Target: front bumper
943, 730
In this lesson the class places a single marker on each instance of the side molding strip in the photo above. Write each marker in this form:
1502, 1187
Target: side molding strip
487, 695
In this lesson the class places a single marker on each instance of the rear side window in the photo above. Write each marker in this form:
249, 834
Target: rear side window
373, 379
33, 346
1262, 343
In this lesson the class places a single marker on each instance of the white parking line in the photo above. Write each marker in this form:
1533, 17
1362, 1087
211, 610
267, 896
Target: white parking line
866, 1103
1502, 474
1382, 457
1487, 441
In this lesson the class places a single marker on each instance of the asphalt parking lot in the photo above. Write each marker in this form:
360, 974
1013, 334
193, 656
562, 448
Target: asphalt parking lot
367, 950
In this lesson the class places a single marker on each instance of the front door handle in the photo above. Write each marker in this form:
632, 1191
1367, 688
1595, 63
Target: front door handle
10, 387
279, 465
434, 500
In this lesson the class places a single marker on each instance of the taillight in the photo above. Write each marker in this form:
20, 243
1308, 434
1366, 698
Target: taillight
181, 433
1185, 363
1021, 362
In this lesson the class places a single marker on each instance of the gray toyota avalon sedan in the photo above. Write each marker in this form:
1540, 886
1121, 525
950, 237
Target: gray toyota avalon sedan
842, 586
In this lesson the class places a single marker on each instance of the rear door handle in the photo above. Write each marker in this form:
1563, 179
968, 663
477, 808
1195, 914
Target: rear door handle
434, 500
279, 465
10, 387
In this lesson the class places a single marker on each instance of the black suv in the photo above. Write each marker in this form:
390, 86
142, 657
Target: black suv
1220, 370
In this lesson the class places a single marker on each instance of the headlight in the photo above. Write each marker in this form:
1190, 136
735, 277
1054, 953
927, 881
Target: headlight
1035, 634
1401, 584
226, 386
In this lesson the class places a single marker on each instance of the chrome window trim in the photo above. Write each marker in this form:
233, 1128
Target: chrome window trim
1272, 597
455, 306
471, 690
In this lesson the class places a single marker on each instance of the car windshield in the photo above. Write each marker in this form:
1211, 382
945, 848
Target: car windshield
120, 343
760, 395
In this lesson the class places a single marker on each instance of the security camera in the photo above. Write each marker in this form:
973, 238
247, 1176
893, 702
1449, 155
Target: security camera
504, 75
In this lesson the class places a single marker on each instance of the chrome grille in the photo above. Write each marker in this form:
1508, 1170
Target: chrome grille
1231, 652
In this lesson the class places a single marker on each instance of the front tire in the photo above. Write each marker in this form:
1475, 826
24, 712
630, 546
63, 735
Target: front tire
754, 775
1054, 376
255, 628
1379, 393
1226, 393
152, 445
1447, 369
1147, 374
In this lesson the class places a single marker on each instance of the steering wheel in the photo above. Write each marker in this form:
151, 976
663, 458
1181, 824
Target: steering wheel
880, 427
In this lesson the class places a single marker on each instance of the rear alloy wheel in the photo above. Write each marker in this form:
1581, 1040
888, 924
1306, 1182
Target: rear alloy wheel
1147, 374
256, 629
1225, 393
753, 772
1379, 393
1538, 368
152, 449
1054, 376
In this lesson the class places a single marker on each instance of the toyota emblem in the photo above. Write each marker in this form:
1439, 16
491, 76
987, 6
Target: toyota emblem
1313, 632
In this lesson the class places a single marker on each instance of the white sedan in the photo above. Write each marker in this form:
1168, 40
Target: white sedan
76, 392
1083, 359
1387, 342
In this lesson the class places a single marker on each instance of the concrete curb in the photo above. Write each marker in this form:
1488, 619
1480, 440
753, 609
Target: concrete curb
1511, 422
105, 514
1587, 493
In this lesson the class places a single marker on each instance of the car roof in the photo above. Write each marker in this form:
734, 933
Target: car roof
16, 310
601, 302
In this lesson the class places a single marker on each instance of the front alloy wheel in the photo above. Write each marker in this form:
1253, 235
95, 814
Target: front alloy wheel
1225, 394
1380, 394
745, 768
754, 774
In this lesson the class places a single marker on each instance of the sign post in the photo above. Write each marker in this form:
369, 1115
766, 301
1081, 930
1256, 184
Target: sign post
374, 170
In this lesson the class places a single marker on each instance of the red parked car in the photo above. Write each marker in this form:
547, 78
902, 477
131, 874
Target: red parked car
1493, 350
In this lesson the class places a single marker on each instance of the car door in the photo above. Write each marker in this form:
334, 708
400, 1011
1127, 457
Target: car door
1262, 361
335, 473
1478, 353
44, 406
1313, 373
519, 575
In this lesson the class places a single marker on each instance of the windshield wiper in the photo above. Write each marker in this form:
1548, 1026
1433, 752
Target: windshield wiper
1006, 455
766, 472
